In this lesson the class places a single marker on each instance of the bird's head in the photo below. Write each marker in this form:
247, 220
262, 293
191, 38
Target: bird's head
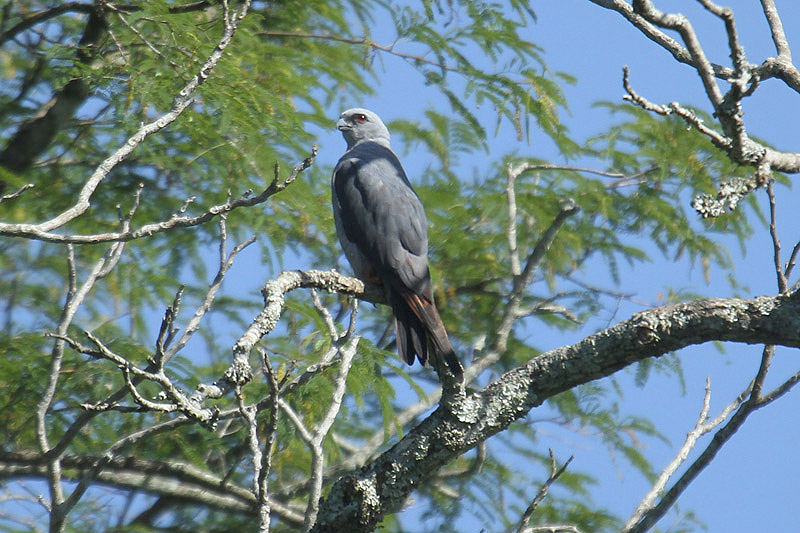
358, 125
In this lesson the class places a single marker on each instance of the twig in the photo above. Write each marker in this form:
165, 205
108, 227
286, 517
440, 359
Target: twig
167, 331
141, 37
792, 260
783, 285
568, 208
686, 114
684, 27
511, 232
194, 323
735, 47
75, 297
16, 193
744, 78
248, 413
776, 27
176, 221
621, 179
555, 473
702, 427
558, 528
755, 400
365, 41
262, 486
325, 314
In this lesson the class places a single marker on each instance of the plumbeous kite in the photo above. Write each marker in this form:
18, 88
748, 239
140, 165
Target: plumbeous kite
384, 234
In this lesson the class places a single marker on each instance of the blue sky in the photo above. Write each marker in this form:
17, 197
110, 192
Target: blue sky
751, 485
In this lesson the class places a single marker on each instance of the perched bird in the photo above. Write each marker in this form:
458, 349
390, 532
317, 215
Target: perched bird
384, 234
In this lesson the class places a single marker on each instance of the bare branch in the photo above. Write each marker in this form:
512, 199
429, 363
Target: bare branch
621, 179
558, 528
194, 323
702, 427
755, 400
75, 297
511, 312
348, 351
176, 221
568, 208
555, 473
167, 331
653, 33
16, 193
262, 481
737, 51
274, 292
776, 27
720, 141
792, 260
682, 25
511, 232
783, 285
248, 413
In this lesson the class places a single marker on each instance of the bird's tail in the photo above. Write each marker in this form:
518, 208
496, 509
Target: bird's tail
418, 325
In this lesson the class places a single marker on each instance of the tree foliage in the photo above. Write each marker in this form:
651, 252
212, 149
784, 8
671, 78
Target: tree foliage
145, 144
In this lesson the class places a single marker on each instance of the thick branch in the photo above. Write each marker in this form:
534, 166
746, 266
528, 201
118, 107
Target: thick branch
360, 500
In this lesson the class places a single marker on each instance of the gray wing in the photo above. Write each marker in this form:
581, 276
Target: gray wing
384, 233
380, 218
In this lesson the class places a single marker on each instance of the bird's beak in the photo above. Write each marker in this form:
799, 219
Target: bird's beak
341, 124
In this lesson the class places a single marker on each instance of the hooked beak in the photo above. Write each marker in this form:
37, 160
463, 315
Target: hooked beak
341, 125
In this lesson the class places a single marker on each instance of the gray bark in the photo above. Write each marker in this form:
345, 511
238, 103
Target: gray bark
358, 501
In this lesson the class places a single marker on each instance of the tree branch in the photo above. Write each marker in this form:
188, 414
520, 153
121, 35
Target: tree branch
744, 78
172, 479
176, 221
555, 473
755, 401
702, 427
359, 500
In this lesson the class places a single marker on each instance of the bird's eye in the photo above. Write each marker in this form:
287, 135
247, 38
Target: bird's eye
361, 118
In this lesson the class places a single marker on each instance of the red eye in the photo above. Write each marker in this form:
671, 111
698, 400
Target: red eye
361, 118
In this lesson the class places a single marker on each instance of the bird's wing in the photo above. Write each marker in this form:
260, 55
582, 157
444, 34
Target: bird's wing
383, 229
382, 216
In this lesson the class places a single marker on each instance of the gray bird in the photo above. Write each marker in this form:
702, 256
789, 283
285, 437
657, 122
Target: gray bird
384, 234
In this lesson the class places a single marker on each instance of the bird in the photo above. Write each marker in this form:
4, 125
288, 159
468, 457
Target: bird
383, 231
